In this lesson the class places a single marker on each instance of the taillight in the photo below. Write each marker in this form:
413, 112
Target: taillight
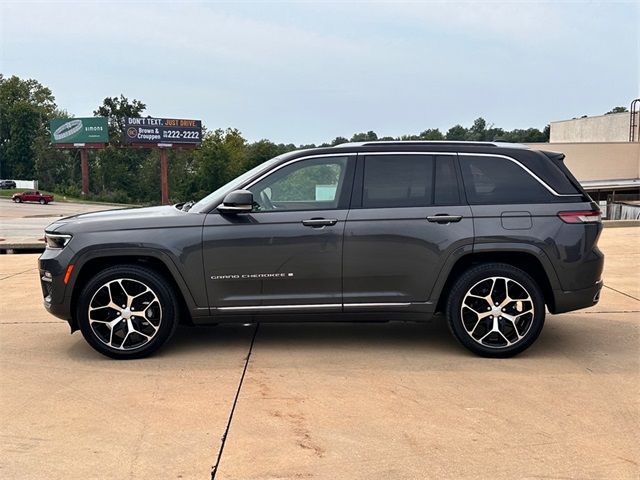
586, 216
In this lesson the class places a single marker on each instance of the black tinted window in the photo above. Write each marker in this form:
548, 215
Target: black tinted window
446, 185
397, 181
492, 180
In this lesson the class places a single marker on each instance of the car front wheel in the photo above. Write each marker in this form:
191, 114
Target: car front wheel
496, 310
127, 312
43, 201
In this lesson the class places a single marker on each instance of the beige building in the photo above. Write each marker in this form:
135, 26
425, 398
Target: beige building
614, 127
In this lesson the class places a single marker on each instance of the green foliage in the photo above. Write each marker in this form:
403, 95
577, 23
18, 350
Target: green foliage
370, 136
116, 109
431, 134
480, 131
617, 110
457, 132
25, 109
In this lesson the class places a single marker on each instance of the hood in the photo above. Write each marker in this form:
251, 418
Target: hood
120, 219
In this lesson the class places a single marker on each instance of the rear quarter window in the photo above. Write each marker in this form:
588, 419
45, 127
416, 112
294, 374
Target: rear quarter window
495, 180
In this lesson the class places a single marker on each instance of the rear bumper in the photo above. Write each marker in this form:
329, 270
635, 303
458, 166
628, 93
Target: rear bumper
566, 301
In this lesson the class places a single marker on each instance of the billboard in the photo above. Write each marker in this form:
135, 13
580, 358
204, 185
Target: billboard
169, 131
79, 130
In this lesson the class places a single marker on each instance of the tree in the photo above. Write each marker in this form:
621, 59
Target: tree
370, 136
116, 173
221, 157
338, 141
617, 110
54, 168
431, 134
477, 131
25, 109
457, 132
116, 109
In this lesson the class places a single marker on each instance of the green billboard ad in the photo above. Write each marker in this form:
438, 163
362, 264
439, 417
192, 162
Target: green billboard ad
79, 130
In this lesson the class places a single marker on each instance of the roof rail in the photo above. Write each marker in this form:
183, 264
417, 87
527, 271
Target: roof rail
433, 142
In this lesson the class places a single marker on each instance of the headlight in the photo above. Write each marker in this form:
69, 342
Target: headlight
56, 240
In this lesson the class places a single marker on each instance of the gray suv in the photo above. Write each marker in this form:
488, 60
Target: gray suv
488, 234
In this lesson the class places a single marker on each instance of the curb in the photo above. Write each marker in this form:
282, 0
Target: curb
621, 223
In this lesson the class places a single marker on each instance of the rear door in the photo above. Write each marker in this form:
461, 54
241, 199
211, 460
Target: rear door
407, 216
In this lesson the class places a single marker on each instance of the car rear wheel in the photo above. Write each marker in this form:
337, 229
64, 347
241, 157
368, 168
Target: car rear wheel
127, 312
496, 310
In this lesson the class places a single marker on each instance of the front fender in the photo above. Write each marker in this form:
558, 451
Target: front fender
85, 256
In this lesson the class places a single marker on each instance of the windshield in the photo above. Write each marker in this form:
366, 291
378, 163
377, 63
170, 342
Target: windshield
234, 184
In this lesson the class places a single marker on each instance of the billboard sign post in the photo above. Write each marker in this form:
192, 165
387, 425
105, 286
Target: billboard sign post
82, 134
163, 134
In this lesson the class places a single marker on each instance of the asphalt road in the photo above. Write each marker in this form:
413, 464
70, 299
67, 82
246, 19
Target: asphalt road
325, 401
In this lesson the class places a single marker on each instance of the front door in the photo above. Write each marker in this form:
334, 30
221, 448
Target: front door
286, 255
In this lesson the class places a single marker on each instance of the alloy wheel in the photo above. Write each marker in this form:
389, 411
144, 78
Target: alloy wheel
125, 314
497, 312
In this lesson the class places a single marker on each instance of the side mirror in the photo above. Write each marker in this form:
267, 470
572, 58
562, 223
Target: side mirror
238, 201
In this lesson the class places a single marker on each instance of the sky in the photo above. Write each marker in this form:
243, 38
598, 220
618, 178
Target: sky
307, 72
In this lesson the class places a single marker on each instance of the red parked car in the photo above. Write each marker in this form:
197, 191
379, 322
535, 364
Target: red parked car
32, 197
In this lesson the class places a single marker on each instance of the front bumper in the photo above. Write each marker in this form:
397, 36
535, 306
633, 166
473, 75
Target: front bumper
56, 296
567, 301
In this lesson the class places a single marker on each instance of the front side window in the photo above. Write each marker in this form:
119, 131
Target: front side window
495, 180
314, 184
397, 181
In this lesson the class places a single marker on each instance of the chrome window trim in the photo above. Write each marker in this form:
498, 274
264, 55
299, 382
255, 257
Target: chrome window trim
538, 179
465, 154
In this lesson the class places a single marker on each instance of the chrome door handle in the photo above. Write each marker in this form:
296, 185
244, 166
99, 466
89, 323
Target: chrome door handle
443, 218
319, 222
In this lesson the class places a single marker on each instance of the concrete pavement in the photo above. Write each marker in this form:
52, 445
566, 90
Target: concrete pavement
325, 400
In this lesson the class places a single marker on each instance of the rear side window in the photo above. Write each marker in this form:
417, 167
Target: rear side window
398, 181
495, 180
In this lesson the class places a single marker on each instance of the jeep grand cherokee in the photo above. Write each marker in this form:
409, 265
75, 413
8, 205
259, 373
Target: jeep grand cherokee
492, 235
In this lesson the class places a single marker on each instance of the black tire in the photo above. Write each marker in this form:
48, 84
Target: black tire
132, 276
512, 337
43, 201
18, 200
